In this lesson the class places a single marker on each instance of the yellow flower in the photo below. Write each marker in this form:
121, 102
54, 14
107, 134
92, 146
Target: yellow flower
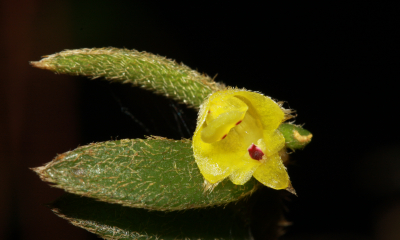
237, 136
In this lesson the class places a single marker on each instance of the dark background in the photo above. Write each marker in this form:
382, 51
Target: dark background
337, 65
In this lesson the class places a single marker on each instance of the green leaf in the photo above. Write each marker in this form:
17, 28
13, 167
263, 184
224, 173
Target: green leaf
112, 221
156, 173
296, 137
142, 69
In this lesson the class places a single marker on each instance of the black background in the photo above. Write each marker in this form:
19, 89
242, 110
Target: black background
337, 65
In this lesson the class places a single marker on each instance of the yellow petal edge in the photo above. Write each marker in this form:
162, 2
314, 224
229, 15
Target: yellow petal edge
237, 137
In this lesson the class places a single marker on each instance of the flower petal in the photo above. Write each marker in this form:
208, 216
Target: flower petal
272, 173
224, 104
219, 128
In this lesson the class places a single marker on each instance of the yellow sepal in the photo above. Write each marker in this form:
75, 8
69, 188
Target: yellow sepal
272, 173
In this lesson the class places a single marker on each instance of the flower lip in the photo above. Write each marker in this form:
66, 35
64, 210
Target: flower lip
255, 152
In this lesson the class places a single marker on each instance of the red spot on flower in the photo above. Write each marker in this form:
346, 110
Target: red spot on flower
255, 152
209, 111
238, 122
224, 136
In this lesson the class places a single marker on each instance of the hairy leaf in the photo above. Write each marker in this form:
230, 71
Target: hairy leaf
157, 174
111, 221
142, 69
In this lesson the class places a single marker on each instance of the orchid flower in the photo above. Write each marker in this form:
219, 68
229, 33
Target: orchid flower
237, 137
